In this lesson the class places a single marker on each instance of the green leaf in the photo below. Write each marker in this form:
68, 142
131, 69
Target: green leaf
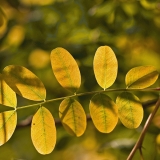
8, 122
65, 69
141, 77
105, 66
7, 95
72, 116
43, 131
130, 110
24, 82
103, 113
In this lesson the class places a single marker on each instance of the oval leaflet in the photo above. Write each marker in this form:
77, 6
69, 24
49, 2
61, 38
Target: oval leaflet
105, 66
130, 110
72, 116
103, 112
24, 82
65, 69
43, 131
141, 77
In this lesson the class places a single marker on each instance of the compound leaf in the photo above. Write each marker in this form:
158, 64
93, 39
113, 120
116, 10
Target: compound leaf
43, 131
65, 69
24, 82
7, 95
130, 110
103, 113
141, 77
72, 116
8, 122
105, 66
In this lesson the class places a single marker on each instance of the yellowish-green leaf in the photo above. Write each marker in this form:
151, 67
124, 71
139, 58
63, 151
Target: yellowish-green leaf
72, 116
43, 131
24, 82
65, 69
105, 66
8, 122
7, 95
130, 110
141, 77
103, 113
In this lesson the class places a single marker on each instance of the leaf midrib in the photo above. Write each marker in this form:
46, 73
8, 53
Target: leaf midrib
65, 69
141, 78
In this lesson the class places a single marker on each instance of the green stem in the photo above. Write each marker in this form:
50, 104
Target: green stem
88, 93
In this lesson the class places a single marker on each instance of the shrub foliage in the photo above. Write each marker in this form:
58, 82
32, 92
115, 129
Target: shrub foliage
103, 110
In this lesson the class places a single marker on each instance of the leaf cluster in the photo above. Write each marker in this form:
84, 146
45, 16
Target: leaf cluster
104, 111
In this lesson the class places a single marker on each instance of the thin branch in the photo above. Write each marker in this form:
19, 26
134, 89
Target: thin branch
27, 121
138, 144
87, 93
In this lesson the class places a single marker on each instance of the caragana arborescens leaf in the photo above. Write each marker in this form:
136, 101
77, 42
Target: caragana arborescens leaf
72, 116
65, 69
7, 95
141, 77
103, 113
43, 131
8, 122
24, 82
130, 110
105, 66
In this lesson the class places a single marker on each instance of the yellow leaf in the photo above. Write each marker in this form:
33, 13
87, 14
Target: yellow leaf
24, 82
130, 110
72, 116
105, 66
7, 95
36, 2
65, 69
141, 77
8, 122
43, 131
103, 113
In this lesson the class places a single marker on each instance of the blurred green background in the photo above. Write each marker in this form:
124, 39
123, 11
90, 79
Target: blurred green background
30, 29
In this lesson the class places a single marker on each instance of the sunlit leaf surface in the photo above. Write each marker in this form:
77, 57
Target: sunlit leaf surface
105, 66
103, 113
130, 110
72, 116
7, 95
141, 77
43, 131
65, 69
8, 122
24, 82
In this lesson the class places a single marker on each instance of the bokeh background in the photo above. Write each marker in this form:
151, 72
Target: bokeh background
30, 29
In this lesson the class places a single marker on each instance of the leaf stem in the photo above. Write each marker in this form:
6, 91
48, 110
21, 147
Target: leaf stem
138, 144
88, 93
